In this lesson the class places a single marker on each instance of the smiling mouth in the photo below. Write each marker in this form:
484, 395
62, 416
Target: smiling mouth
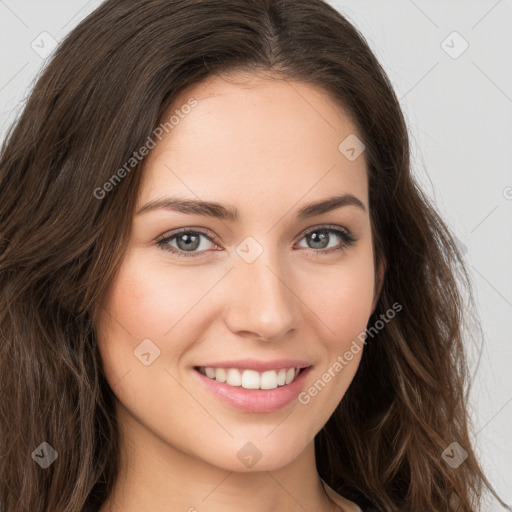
251, 379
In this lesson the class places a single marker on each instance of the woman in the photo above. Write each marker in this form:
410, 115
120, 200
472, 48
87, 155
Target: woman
221, 287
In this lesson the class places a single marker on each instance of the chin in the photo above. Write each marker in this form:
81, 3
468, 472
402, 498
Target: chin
260, 452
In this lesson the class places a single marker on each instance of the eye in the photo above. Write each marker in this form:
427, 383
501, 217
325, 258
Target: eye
321, 236
187, 241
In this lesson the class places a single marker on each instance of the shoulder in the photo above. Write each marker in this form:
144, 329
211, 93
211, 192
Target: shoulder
344, 503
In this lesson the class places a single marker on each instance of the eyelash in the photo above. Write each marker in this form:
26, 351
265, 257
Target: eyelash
347, 240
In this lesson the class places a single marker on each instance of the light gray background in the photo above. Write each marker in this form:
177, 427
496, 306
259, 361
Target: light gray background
459, 112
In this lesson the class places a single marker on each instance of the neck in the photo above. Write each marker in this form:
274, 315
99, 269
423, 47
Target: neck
155, 476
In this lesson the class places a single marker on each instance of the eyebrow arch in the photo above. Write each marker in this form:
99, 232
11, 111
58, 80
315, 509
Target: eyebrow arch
212, 209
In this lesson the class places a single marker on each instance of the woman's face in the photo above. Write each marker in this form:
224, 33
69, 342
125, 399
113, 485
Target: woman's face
260, 291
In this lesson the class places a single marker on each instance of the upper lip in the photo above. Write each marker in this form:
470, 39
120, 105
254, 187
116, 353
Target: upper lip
258, 365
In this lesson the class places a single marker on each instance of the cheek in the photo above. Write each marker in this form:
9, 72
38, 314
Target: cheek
344, 301
148, 300
143, 303
345, 309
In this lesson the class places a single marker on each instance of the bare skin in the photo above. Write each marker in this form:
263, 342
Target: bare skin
267, 149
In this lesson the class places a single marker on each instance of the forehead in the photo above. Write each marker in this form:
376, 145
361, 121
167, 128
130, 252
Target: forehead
248, 133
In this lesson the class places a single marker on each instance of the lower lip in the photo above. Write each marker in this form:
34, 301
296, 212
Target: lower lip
255, 400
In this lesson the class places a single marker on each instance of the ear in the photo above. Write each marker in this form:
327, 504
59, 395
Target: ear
379, 280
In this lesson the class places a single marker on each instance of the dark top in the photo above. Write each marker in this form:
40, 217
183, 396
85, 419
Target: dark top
365, 507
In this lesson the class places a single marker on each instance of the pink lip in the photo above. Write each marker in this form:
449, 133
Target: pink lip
255, 400
259, 366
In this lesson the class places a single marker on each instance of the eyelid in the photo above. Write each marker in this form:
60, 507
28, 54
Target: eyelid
174, 232
328, 227
211, 234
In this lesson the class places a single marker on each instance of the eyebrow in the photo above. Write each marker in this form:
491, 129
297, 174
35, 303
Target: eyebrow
217, 210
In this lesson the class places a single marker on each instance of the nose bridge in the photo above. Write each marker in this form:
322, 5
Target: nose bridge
262, 301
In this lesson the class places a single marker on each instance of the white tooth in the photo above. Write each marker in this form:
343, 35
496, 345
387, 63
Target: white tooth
220, 374
250, 379
269, 380
281, 377
290, 375
233, 377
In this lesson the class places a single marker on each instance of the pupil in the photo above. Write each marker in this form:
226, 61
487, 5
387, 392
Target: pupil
319, 239
187, 239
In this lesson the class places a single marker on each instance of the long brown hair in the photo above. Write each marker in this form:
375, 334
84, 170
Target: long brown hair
101, 95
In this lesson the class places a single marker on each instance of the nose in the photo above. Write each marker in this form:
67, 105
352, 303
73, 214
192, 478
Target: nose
262, 301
